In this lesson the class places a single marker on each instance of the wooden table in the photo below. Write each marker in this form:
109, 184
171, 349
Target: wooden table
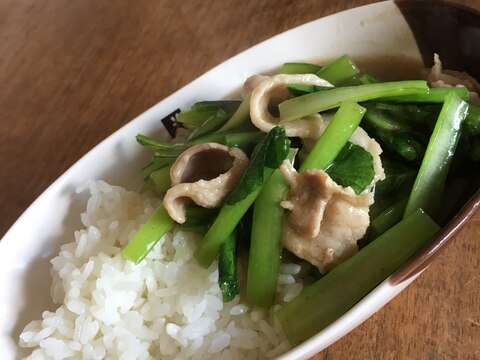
72, 72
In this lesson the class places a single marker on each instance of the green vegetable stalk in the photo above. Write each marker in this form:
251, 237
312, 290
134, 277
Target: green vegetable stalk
335, 136
227, 268
161, 179
352, 167
239, 117
267, 156
324, 100
266, 241
430, 181
342, 69
334, 294
300, 68
434, 96
201, 111
148, 235
387, 218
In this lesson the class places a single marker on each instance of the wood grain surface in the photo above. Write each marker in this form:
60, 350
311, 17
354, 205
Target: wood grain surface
74, 71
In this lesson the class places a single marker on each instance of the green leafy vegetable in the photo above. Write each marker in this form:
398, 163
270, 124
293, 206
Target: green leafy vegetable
210, 124
402, 130
389, 217
240, 116
148, 235
399, 178
367, 79
352, 167
430, 182
268, 153
198, 218
339, 70
201, 111
434, 95
154, 165
227, 268
244, 194
300, 68
334, 294
301, 89
266, 241
161, 179
472, 121
335, 136
324, 100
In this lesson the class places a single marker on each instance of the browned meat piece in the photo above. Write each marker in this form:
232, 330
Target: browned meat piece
268, 91
325, 220
439, 77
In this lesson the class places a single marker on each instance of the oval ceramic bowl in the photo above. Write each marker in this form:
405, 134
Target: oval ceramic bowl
378, 31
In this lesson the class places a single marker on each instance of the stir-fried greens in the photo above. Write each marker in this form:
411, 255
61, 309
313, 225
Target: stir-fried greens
419, 129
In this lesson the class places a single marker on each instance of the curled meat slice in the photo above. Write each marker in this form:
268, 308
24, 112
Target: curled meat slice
325, 220
204, 173
439, 77
271, 90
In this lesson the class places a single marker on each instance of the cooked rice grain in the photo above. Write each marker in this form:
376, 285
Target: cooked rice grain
165, 307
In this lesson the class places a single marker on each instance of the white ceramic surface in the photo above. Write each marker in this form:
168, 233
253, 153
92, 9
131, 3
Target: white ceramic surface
377, 30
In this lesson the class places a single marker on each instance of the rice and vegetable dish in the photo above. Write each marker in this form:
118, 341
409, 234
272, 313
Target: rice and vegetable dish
263, 220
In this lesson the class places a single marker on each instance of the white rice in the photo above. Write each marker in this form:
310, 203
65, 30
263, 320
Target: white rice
166, 307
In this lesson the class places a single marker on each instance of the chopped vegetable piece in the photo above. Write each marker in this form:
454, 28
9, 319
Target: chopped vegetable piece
334, 294
300, 68
324, 100
429, 184
472, 122
434, 96
239, 117
212, 123
267, 156
156, 145
402, 143
268, 153
352, 167
380, 120
338, 71
226, 221
389, 217
367, 79
300, 89
402, 129
197, 216
205, 106
266, 241
227, 268
201, 111
399, 177
161, 179
155, 165
335, 136
165, 152
148, 186
148, 235
242, 140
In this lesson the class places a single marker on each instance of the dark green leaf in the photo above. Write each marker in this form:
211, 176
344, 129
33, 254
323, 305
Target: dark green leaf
269, 152
398, 177
353, 167
227, 269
